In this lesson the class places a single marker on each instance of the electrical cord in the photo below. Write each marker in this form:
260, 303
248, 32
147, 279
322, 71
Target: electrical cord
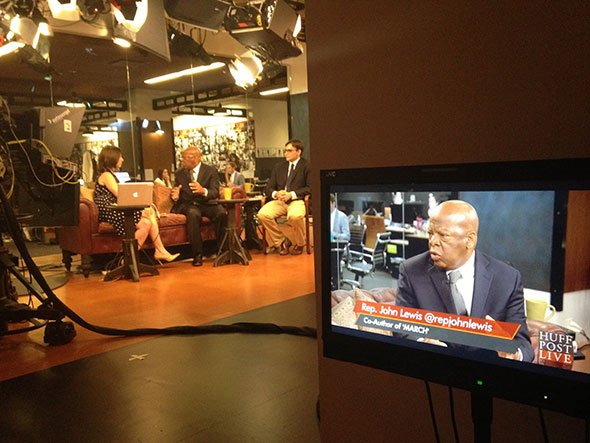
432, 415
69, 176
242, 327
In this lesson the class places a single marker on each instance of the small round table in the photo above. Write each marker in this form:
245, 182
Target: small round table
235, 252
131, 268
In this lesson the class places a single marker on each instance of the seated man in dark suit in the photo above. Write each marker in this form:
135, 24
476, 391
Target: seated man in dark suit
483, 287
195, 185
289, 183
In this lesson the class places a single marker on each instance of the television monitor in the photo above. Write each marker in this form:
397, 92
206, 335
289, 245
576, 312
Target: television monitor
522, 209
56, 126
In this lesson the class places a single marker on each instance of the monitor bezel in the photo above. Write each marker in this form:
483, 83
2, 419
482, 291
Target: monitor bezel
541, 386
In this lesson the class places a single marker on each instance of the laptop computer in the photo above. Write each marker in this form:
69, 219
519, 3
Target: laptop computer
135, 194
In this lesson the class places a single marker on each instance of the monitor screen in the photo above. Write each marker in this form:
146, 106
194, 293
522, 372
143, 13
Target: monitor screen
455, 274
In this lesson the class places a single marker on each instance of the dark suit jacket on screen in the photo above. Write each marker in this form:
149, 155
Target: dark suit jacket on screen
208, 178
497, 292
300, 183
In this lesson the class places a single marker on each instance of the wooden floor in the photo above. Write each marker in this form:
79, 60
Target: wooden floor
180, 295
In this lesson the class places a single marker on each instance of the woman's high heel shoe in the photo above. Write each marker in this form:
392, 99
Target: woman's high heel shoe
164, 257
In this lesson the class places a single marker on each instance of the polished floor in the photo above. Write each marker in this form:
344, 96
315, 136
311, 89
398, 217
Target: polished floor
219, 387
180, 295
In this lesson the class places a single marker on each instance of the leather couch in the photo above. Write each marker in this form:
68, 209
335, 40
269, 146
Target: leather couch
91, 237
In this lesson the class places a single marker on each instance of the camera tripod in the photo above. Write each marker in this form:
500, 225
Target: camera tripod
11, 311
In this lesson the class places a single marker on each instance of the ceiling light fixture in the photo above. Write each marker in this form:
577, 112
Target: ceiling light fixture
71, 104
190, 71
219, 111
121, 42
245, 69
274, 91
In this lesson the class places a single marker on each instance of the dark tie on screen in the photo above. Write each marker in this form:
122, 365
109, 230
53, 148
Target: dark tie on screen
289, 177
457, 298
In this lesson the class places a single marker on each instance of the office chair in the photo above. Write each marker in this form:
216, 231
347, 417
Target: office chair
364, 263
357, 237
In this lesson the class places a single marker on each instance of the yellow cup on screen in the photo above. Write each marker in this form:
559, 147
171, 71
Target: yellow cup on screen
537, 310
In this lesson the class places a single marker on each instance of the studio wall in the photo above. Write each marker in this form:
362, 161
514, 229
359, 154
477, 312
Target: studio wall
408, 83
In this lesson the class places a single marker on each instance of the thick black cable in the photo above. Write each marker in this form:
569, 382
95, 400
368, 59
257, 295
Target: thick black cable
251, 328
453, 418
432, 415
543, 426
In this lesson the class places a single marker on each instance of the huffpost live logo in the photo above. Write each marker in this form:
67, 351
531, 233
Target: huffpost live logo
556, 347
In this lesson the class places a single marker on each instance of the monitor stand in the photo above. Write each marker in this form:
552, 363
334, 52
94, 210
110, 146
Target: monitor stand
481, 414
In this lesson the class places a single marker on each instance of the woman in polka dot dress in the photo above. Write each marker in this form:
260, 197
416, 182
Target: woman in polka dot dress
105, 194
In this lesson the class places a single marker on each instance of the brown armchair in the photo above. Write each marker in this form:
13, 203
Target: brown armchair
92, 237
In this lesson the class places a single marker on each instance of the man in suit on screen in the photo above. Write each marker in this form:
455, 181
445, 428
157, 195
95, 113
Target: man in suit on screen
195, 185
289, 183
454, 278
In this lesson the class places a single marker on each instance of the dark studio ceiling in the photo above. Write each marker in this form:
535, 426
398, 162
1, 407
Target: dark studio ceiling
96, 68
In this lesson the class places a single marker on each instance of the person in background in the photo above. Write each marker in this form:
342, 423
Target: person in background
195, 185
455, 278
105, 194
338, 222
234, 158
233, 177
163, 178
289, 183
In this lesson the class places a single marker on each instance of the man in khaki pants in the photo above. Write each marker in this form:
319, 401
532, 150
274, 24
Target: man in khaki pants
289, 183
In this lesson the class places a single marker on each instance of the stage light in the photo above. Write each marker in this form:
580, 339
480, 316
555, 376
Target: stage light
183, 45
121, 42
10, 47
23, 7
245, 69
298, 26
44, 29
41, 21
124, 13
190, 71
64, 9
274, 91
90, 9
269, 31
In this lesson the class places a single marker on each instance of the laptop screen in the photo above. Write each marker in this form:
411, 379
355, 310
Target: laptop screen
123, 177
